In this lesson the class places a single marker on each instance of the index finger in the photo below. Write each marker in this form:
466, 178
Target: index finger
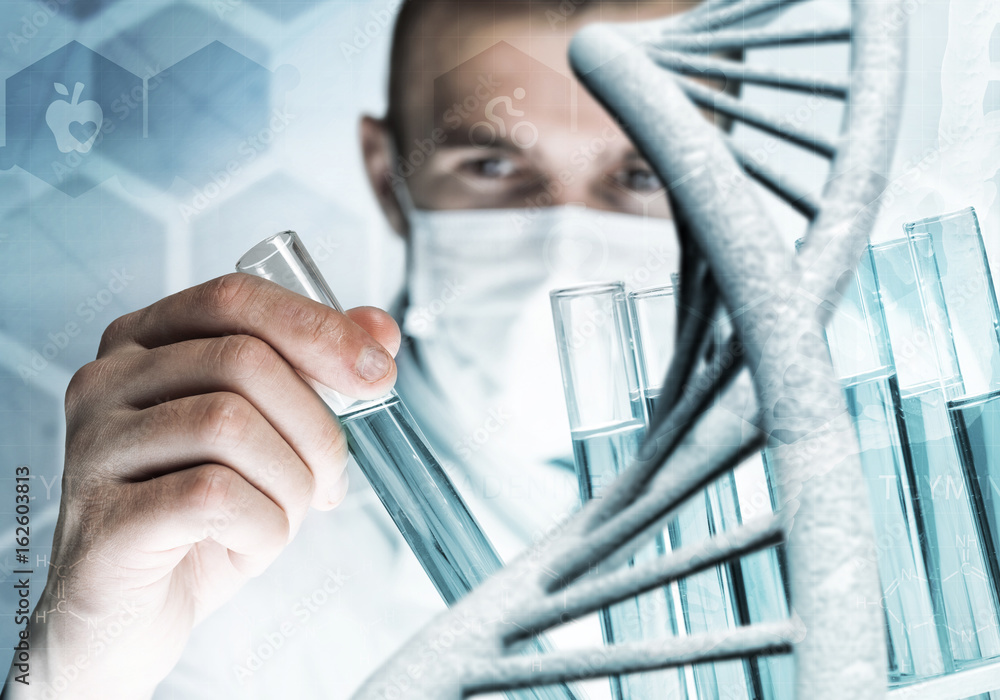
321, 342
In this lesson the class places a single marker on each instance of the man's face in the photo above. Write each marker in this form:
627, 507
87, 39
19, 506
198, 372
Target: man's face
495, 119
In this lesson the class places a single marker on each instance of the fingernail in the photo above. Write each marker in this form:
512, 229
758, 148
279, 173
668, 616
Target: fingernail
339, 490
373, 364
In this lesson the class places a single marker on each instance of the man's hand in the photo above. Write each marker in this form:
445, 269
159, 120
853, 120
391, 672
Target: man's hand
193, 452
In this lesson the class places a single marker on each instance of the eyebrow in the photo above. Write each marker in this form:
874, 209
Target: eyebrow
462, 138
634, 154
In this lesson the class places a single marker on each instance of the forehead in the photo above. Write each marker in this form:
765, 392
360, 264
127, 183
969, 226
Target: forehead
463, 55
502, 82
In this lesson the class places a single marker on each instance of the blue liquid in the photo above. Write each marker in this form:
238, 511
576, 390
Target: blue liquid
422, 501
976, 423
964, 596
914, 636
710, 600
430, 514
766, 594
759, 591
977, 430
601, 454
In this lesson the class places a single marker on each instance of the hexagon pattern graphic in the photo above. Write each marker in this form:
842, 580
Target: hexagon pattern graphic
75, 119
65, 109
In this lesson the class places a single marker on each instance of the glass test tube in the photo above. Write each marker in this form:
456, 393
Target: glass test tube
608, 425
970, 304
746, 590
653, 318
395, 458
858, 342
956, 556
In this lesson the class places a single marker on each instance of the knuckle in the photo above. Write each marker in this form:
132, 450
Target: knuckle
317, 324
210, 488
245, 356
223, 419
117, 331
81, 385
227, 294
80, 380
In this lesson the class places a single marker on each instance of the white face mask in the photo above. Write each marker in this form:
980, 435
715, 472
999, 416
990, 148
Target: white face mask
481, 322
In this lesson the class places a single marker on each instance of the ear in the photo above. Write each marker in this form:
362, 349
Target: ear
376, 148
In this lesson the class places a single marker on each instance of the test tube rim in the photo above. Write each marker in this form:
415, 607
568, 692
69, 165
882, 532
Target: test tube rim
285, 238
940, 218
652, 292
882, 245
587, 289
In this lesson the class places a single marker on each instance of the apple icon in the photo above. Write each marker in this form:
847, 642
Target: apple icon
70, 121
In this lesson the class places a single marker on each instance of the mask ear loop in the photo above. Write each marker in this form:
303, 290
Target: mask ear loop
398, 182
402, 308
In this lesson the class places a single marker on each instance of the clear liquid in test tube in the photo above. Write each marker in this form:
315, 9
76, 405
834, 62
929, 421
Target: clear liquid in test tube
608, 425
957, 549
859, 348
951, 245
394, 456
736, 592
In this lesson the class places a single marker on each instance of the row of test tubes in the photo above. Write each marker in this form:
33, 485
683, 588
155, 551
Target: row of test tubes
915, 342
614, 351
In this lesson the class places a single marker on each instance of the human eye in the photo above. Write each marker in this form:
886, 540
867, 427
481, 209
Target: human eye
491, 167
638, 178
